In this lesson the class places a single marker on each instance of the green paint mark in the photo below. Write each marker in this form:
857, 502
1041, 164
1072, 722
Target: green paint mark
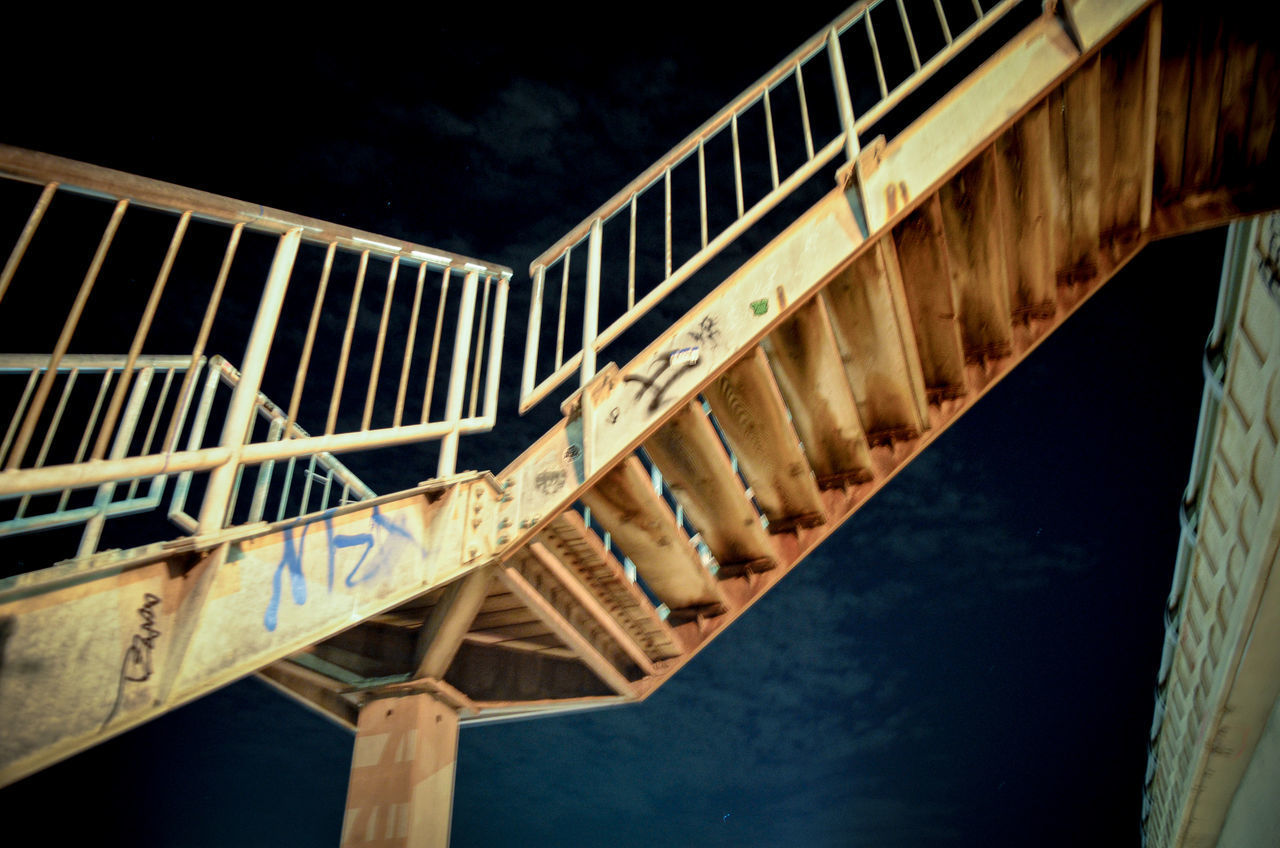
760, 307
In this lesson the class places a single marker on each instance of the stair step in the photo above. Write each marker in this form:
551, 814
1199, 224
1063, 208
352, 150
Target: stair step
1122, 158
697, 469
1023, 182
1178, 36
645, 528
969, 206
806, 364
747, 403
1204, 101
869, 315
1074, 120
926, 277
1259, 165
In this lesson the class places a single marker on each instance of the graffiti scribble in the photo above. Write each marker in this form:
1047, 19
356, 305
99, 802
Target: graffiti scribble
136, 667
381, 543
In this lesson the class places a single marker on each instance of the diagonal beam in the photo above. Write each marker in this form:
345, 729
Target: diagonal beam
593, 607
559, 625
313, 690
449, 621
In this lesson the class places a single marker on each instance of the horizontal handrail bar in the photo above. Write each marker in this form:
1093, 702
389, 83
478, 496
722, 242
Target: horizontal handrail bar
53, 478
95, 181
89, 363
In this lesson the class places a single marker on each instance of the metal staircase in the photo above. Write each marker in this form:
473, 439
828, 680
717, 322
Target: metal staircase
678, 487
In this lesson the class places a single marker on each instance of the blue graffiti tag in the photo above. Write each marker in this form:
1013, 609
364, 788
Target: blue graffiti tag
374, 559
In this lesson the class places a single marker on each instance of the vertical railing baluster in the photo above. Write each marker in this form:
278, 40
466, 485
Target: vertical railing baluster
804, 114
408, 346
24, 239
591, 308
50, 430
151, 428
479, 357
139, 337
306, 485
107, 374
124, 436
977, 9
64, 338
265, 470
376, 368
304, 361
773, 149
497, 335
564, 301
236, 426
202, 337
458, 374
178, 503
435, 346
631, 259
911, 39
530, 374
702, 190
341, 377
288, 484
666, 191
17, 412
840, 81
328, 484
942, 19
737, 165
875, 54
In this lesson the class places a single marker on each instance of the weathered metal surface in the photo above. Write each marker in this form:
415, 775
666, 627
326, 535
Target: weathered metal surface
872, 324
582, 551
619, 409
806, 363
755, 423
542, 644
89, 653
896, 176
643, 525
402, 768
694, 464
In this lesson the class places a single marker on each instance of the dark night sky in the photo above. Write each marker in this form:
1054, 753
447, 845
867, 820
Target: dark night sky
970, 660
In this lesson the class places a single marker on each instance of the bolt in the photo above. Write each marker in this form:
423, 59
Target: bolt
507, 484
504, 524
502, 540
504, 499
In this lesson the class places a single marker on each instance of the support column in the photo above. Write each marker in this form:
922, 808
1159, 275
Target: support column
401, 787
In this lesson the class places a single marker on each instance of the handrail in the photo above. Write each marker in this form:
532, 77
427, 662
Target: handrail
108, 184
36, 457
818, 155
689, 144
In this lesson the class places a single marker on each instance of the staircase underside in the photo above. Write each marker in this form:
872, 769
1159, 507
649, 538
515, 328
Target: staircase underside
772, 411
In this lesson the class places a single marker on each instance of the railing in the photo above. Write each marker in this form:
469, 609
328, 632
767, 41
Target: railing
322, 469
855, 30
198, 247
149, 397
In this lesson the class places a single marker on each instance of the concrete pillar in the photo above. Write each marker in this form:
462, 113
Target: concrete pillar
400, 793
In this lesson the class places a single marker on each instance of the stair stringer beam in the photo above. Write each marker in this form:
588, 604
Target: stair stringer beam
94, 649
